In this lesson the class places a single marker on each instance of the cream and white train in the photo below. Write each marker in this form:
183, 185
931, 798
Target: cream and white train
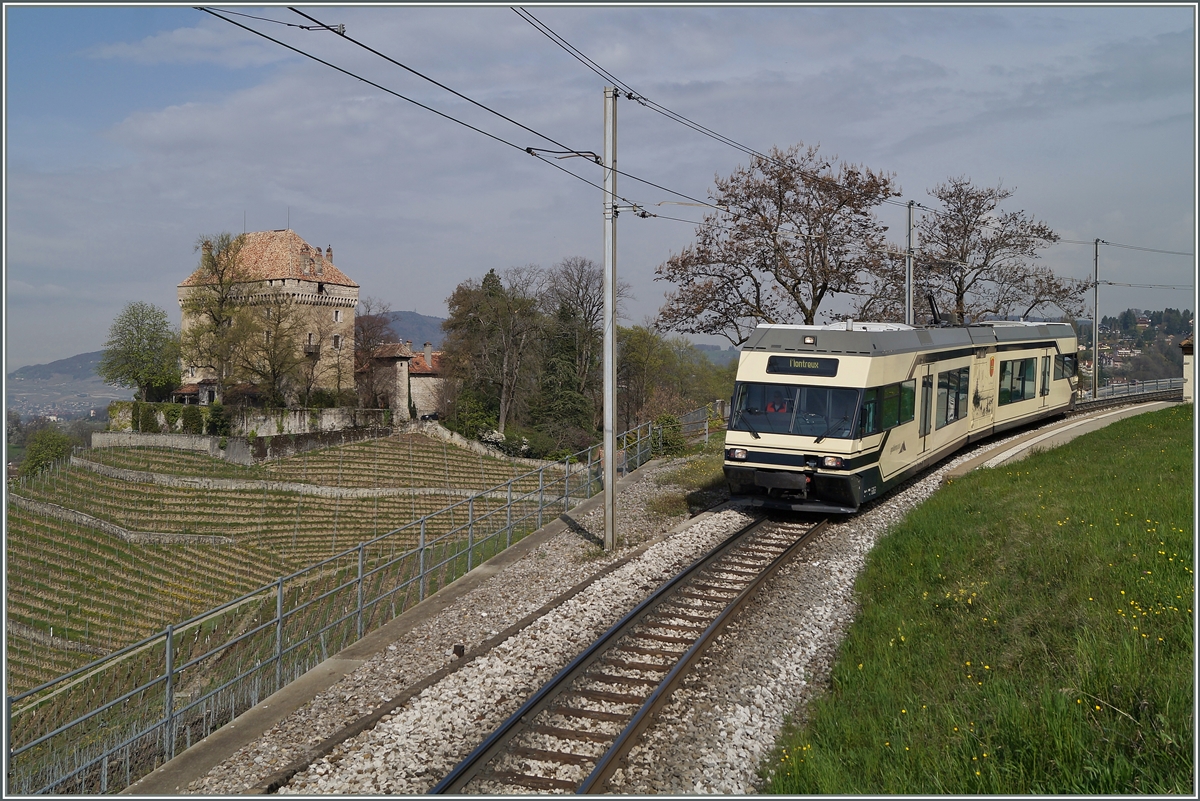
825, 418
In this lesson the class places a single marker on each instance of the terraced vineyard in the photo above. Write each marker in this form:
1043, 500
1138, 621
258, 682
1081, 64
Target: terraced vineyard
401, 460
99, 592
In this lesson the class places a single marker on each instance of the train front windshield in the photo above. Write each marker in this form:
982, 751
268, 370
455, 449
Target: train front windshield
826, 412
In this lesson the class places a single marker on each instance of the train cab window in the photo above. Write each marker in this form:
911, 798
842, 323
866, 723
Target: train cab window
887, 407
1018, 379
813, 411
952, 395
1065, 366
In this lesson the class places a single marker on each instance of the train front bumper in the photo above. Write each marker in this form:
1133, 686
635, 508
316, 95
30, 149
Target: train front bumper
796, 490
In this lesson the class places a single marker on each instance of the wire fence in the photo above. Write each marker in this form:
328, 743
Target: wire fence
102, 726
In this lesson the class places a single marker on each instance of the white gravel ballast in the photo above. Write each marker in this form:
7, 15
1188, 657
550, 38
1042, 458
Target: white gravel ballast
412, 749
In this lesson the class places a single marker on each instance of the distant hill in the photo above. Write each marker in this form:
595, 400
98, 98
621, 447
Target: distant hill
78, 368
420, 328
66, 388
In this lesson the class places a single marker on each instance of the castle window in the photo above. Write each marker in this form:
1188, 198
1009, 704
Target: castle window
337, 342
337, 315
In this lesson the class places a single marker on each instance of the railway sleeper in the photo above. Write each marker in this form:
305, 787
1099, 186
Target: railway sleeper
535, 782
559, 757
664, 638
628, 681
612, 698
572, 734
644, 666
637, 649
594, 714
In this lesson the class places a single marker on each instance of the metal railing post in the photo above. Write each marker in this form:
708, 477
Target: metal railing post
508, 516
279, 633
360, 590
541, 493
566, 485
421, 562
8, 702
470, 530
169, 700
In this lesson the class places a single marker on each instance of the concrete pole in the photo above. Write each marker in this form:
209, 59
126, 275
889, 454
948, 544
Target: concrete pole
908, 270
610, 317
1096, 322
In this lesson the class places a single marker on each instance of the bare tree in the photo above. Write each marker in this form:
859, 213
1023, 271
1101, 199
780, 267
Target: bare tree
215, 326
575, 292
372, 328
979, 260
793, 231
273, 355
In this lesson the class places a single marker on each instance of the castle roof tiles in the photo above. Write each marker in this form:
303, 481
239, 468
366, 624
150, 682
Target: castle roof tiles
272, 255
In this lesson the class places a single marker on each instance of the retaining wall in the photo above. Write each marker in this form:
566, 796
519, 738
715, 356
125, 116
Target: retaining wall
138, 537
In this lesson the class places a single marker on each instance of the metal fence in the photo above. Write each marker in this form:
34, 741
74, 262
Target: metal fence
1136, 388
99, 728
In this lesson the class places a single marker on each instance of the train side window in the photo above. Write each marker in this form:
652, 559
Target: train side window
868, 421
908, 400
1018, 379
889, 415
1045, 375
964, 379
1065, 366
952, 395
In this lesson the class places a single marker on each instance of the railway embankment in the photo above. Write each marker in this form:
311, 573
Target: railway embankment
1030, 629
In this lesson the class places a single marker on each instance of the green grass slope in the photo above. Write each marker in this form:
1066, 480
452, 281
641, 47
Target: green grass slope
1029, 629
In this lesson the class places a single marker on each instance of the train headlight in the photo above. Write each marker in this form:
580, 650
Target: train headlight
832, 461
740, 454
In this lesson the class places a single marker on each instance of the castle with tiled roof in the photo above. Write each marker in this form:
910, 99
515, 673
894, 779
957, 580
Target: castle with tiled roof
281, 260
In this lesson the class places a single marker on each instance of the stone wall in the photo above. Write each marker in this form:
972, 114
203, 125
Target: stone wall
272, 422
180, 442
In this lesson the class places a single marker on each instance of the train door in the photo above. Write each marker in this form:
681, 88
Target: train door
926, 418
1044, 383
983, 390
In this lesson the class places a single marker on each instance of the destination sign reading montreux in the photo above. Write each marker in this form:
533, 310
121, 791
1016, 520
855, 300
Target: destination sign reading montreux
802, 365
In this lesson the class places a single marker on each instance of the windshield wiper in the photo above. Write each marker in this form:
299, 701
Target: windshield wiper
750, 428
832, 426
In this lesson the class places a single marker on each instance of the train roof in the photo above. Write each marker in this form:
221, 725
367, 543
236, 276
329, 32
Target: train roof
879, 339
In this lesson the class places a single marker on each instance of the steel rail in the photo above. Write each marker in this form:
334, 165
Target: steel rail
498, 742
628, 738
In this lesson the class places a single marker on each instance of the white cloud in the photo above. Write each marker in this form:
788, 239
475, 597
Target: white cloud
207, 44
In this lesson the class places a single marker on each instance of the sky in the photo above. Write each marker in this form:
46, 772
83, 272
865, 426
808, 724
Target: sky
132, 131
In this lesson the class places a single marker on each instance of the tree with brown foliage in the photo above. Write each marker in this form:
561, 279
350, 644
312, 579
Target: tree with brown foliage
978, 260
793, 230
372, 328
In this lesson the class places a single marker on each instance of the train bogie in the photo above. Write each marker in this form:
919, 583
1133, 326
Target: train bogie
824, 418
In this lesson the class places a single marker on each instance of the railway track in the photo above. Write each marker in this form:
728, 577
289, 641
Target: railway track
572, 734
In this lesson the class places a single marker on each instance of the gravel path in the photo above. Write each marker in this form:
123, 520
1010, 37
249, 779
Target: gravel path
714, 734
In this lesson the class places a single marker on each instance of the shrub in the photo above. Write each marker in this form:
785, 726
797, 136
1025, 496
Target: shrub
44, 448
670, 441
148, 419
322, 399
135, 416
171, 413
193, 420
218, 420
